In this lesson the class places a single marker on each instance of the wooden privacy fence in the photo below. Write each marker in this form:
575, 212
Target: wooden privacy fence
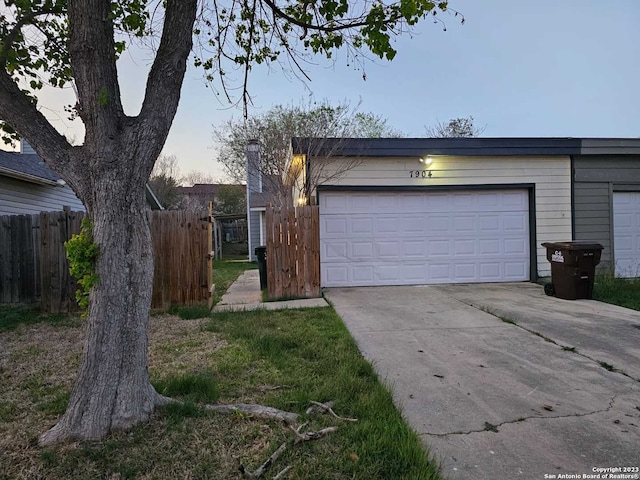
57, 286
293, 252
182, 266
33, 263
34, 266
19, 264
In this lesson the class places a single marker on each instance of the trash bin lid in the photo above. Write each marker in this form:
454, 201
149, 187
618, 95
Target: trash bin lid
575, 245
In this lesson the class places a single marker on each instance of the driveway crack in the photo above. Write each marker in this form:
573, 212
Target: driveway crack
566, 348
488, 427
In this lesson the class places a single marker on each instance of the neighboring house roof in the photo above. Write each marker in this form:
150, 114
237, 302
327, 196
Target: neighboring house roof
27, 167
259, 199
151, 198
208, 190
475, 146
271, 185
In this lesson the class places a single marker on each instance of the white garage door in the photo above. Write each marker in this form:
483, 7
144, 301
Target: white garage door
410, 238
626, 233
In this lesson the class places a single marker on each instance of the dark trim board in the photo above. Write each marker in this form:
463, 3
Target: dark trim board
529, 187
618, 187
533, 234
408, 188
572, 171
473, 146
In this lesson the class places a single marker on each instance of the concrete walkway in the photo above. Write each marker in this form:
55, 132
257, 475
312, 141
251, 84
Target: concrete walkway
244, 294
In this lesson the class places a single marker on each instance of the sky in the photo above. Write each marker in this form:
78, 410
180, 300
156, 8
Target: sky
547, 68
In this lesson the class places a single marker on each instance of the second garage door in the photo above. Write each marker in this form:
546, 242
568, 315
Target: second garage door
411, 238
626, 233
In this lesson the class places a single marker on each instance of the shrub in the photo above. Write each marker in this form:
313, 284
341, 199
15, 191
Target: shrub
82, 253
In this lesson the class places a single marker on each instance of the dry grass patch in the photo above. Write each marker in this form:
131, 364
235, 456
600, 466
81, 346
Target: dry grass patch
233, 358
38, 364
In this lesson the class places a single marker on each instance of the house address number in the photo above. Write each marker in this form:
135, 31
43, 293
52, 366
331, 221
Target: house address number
419, 173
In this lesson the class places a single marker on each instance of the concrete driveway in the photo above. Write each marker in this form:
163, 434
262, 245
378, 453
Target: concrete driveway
555, 392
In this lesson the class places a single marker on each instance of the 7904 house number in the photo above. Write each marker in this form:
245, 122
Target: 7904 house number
419, 173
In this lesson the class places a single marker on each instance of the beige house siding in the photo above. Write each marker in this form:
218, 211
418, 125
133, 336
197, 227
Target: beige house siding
551, 176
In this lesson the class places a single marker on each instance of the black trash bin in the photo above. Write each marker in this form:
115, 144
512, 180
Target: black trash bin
261, 253
573, 268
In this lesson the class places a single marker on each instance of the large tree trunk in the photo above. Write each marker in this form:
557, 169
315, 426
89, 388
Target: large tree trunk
113, 390
108, 172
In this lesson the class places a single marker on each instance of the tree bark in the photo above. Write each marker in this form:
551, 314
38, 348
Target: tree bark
113, 390
109, 173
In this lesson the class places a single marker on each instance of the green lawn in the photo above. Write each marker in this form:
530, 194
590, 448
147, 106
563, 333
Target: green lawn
619, 291
13, 315
283, 359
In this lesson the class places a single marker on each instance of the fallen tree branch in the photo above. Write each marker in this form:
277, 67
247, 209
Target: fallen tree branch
271, 388
326, 407
282, 473
259, 411
314, 406
304, 437
262, 468
256, 410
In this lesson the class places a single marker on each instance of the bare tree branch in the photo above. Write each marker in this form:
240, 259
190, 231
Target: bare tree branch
263, 468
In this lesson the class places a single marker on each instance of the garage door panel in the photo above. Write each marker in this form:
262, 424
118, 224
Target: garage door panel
361, 226
439, 272
336, 275
464, 202
514, 201
386, 224
514, 270
438, 223
359, 203
431, 237
626, 233
414, 249
389, 250
336, 203
437, 248
412, 203
464, 223
334, 226
488, 201
386, 203
412, 224
489, 246
489, 223
465, 272
362, 250
514, 223
515, 246
464, 247
334, 251
490, 271
363, 274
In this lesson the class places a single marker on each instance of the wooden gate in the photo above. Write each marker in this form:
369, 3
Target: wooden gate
293, 252
182, 267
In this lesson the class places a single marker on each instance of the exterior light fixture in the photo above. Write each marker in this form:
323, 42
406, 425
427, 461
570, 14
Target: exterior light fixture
426, 161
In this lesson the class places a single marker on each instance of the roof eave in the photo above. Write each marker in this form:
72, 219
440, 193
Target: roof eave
7, 172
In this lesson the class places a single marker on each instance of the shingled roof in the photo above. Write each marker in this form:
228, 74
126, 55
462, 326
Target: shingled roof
29, 167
